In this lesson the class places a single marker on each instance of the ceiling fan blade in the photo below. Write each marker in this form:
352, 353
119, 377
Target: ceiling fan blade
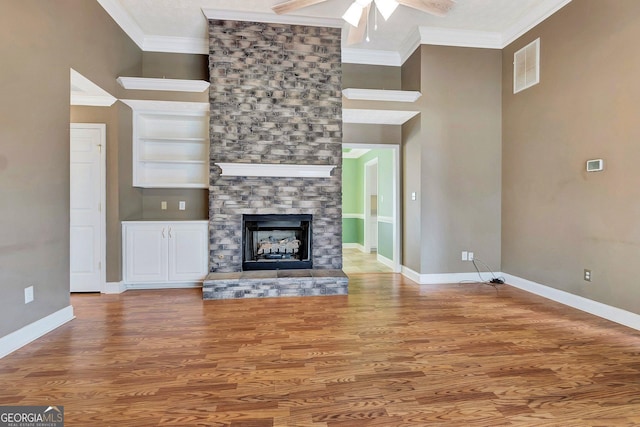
357, 34
434, 7
291, 5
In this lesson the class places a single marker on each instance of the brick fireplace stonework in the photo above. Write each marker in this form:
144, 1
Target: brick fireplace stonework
275, 99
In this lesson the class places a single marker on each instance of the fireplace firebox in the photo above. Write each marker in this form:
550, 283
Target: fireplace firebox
276, 242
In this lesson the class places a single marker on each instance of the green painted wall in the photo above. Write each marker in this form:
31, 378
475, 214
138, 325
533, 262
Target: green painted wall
385, 239
352, 187
353, 199
353, 230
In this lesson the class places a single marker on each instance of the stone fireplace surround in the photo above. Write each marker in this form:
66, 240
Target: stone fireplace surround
275, 100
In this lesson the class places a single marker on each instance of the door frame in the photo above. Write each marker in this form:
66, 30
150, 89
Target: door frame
368, 169
397, 218
103, 190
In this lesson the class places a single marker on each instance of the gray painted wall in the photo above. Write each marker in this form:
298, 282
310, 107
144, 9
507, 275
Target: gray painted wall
557, 219
41, 41
458, 144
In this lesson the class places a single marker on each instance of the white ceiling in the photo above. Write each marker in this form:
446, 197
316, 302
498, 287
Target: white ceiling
181, 25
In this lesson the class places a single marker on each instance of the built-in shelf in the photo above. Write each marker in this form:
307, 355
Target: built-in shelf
170, 144
173, 85
276, 170
381, 95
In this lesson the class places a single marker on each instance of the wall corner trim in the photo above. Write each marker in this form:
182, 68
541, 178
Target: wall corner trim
31, 332
614, 314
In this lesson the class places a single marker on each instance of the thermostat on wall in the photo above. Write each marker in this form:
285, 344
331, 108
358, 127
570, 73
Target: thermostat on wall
595, 165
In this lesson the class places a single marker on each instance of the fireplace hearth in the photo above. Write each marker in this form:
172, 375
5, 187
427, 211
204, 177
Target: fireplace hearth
276, 242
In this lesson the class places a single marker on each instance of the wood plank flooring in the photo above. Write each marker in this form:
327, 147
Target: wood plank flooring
389, 354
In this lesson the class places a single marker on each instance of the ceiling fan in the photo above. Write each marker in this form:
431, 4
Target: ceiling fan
357, 14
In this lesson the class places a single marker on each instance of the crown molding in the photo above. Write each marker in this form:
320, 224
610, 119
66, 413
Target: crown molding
173, 85
236, 15
460, 38
371, 57
124, 20
422, 35
192, 45
539, 14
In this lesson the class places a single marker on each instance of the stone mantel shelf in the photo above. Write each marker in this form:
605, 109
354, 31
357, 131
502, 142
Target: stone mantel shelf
381, 95
276, 170
175, 85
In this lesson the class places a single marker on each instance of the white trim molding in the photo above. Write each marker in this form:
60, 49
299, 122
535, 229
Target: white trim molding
149, 286
275, 170
352, 216
357, 246
385, 219
605, 311
386, 261
460, 38
352, 55
33, 331
539, 14
176, 45
239, 15
438, 278
174, 85
381, 95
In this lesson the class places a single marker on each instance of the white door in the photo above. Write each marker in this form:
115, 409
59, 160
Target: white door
86, 240
188, 252
146, 253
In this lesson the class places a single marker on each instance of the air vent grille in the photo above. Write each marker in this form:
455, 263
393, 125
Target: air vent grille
526, 66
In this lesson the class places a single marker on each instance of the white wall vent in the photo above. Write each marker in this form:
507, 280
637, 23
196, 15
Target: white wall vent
526, 66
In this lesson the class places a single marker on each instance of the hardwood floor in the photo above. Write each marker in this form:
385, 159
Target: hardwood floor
389, 354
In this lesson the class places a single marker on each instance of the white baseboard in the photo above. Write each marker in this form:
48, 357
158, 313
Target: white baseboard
433, 279
114, 288
357, 246
33, 331
386, 261
605, 311
140, 286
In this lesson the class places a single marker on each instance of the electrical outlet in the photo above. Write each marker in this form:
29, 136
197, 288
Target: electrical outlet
464, 256
28, 294
182, 205
470, 256
587, 275
163, 205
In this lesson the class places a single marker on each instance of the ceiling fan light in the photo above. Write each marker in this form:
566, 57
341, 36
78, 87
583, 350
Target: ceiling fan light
386, 7
352, 15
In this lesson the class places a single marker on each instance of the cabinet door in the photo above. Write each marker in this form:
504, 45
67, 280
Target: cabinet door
188, 252
146, 253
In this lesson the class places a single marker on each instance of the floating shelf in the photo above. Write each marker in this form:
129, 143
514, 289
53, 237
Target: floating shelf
173, 85
381, 117
381, 95
276, 170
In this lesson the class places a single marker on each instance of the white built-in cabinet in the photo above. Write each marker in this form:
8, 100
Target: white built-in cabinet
170, 144
164, 252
